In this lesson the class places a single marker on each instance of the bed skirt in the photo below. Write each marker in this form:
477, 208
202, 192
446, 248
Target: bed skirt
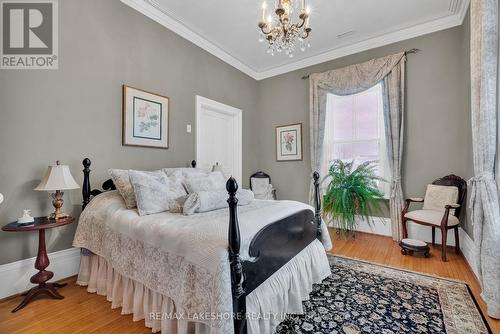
280, 294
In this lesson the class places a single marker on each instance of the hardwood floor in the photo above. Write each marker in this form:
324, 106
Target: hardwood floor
81, 312
382, 250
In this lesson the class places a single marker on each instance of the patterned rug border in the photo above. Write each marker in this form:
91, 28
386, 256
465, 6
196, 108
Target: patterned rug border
400, 269
487, 325
479, 309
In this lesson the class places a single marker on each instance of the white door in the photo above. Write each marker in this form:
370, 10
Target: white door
218, 136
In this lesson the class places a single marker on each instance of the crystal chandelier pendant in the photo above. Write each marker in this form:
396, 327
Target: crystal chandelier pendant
287, 32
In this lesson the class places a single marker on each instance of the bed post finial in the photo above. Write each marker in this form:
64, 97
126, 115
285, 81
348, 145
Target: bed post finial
193, 163
237, 277
86, 182
317, 203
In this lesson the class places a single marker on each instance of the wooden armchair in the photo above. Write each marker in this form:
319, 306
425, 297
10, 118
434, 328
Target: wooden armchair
442, 204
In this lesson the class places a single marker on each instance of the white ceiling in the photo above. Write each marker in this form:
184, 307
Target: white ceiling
228, 28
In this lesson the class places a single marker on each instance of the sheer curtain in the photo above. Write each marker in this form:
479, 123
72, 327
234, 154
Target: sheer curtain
484, 204
351, 80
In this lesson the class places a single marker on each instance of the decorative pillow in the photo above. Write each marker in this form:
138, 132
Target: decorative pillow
122, 183
178, 204
186, 172
436, 197
218, 179
213, 181
204, 201
177, 178
154, 192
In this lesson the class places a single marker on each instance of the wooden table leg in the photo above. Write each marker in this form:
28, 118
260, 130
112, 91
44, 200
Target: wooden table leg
40, 278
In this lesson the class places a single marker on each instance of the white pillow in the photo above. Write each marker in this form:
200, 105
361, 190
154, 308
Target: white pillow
186, 172
213, 181
204, 201
155, 192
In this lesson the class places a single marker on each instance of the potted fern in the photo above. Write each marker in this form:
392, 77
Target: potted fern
351, 192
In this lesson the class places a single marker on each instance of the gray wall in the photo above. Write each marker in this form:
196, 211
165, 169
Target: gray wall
437, 138
75, 112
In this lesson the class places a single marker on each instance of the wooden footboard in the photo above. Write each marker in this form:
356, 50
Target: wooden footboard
271, 248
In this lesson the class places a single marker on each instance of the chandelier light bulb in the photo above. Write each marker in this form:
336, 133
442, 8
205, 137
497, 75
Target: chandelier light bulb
292, 27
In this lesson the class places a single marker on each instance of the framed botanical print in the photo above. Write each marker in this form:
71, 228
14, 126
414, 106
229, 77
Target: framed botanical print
289, 142
145, 118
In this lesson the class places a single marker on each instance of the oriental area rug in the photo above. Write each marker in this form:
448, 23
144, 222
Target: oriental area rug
360, 297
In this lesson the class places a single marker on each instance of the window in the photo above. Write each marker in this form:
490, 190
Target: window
354, 131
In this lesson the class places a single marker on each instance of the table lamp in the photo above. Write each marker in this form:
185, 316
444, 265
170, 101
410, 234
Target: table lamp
57, 178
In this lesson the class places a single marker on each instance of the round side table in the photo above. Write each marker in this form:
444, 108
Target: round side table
42, 260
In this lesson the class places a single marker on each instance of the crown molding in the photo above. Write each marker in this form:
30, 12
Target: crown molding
443, 23
458, 10
180, 29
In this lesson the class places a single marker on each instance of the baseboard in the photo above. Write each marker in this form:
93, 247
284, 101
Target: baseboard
467, 247
379, 226
15, 276
382, 226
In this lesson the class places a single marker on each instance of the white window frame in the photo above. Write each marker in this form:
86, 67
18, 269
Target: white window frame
329, 140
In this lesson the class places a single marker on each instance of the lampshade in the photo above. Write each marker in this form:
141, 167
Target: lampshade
217, 168
57, 177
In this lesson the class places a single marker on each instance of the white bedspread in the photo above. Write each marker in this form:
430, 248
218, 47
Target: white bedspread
182, 257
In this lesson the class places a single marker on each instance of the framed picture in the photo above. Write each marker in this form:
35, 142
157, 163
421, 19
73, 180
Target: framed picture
145, 118
289, 142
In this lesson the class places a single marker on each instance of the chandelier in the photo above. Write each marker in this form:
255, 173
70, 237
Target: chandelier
281, 33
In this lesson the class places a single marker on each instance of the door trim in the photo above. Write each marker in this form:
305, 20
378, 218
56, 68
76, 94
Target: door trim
203, 102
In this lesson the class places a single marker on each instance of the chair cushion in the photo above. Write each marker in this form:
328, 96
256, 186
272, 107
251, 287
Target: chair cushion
431, 216
436, 197
259, 185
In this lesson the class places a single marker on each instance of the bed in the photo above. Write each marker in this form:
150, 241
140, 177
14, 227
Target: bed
233, 270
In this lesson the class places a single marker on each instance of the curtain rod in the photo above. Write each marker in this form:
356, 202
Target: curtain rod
414, 50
